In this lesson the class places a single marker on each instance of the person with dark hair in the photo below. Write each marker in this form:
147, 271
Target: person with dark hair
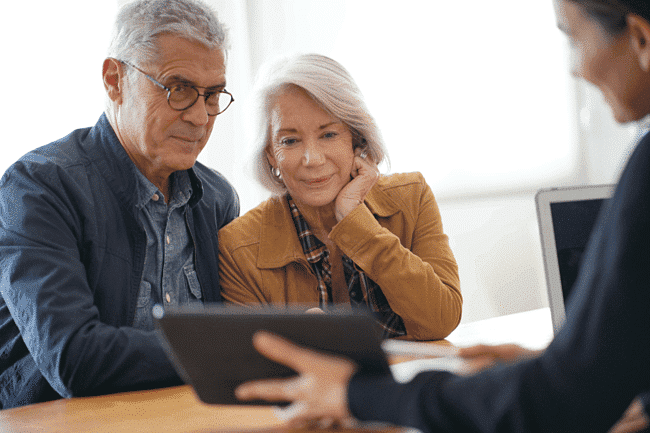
337, 233
98, 226
598, 363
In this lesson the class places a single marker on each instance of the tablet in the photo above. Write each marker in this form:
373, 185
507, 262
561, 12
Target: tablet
211, 346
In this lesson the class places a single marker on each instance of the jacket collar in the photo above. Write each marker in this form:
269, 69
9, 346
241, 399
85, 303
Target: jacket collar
279, 244
114, 164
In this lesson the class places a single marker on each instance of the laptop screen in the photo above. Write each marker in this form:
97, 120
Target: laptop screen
566, 218
573, 223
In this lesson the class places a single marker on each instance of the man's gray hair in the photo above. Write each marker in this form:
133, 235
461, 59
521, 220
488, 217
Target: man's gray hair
332, 87
140, 23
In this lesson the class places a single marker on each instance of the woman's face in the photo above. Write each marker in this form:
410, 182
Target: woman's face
312, 148
607, 61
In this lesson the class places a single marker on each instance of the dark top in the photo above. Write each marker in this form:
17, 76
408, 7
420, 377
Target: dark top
590, 372
71, 260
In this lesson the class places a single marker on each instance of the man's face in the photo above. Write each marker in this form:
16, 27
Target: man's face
159, 139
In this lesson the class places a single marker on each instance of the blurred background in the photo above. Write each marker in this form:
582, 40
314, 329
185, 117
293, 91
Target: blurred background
475, 95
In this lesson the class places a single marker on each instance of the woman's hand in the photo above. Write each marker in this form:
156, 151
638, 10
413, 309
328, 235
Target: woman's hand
484, 356
634, 419
318, 393
364, 175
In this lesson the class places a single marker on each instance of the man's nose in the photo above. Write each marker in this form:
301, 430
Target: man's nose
197, 114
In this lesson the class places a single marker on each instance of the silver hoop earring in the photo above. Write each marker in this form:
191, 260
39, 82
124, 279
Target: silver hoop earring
276, 172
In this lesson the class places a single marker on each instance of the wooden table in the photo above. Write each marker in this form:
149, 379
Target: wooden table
174, 409
169, 409
179, 410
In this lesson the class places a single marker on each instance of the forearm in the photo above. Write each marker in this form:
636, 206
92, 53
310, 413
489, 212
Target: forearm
384, 400
75, 351
422, 286
113, 360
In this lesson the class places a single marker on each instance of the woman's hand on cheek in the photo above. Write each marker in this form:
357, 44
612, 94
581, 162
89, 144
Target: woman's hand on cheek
364, 175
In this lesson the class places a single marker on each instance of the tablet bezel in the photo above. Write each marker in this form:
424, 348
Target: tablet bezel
211, 346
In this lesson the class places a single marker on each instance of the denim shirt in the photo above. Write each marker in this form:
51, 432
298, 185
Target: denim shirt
169, 277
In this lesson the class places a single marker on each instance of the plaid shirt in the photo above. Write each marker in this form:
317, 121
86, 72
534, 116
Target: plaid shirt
363, 291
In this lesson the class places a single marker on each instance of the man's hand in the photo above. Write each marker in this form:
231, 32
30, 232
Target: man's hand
319, 391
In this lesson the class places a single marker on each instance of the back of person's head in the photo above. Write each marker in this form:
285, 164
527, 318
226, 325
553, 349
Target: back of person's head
329, 84
140, 23
611, 14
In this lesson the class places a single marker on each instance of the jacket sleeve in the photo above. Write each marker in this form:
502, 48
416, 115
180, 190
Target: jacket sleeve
590, 372
45, 286
415, 269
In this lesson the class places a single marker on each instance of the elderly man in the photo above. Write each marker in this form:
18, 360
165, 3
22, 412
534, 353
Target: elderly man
98, 226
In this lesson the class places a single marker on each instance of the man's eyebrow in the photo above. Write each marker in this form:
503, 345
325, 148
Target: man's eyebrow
185, 80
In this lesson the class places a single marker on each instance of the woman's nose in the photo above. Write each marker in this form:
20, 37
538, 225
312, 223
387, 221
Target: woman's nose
313, 155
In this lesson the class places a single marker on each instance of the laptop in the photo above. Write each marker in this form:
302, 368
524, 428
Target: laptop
211, 346
566, 218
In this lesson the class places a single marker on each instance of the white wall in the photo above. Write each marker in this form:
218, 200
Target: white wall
52, 53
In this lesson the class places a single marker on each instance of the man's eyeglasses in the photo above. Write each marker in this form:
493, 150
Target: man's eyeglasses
182, 96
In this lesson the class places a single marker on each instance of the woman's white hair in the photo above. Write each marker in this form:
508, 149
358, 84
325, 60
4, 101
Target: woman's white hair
332, 87
139, 24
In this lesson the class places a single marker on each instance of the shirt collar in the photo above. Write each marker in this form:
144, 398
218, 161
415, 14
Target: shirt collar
180, 189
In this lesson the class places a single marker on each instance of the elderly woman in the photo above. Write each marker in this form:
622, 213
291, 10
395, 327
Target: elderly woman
600, 360
336, 231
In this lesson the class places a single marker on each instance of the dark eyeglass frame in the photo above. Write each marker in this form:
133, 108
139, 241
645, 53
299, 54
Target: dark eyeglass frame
205, 95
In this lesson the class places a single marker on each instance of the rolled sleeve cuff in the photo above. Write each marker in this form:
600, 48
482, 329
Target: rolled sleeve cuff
355, 230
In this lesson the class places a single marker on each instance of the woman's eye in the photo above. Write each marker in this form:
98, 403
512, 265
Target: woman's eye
330, 135
288, 141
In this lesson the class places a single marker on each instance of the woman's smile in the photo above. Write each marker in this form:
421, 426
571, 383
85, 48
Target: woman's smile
317, 182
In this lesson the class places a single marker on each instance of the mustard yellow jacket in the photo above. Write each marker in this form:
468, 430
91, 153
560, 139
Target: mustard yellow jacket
395, 236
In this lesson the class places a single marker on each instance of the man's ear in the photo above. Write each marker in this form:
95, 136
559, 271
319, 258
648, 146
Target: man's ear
113, 76
639, 29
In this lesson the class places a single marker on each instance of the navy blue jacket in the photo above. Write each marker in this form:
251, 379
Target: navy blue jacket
590, 372
71, 260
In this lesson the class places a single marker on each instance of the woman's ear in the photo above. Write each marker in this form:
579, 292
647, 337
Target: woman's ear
270, 157
639, 29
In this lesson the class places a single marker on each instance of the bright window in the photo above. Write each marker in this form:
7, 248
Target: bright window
473, 94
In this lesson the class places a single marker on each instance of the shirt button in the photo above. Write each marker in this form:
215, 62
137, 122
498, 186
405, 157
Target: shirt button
155, 197
169, 298
168, 241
